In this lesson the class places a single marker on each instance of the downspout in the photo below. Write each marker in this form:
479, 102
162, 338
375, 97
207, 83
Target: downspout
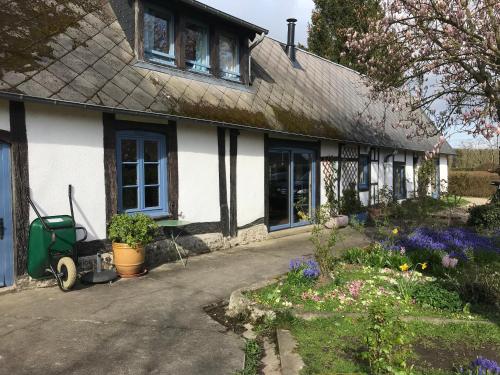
251, 46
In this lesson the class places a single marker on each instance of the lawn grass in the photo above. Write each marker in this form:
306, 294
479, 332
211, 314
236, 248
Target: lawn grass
334, 345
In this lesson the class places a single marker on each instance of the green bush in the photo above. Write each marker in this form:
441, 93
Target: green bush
134, 230
436, 296
349, 202
478, 284
486, 216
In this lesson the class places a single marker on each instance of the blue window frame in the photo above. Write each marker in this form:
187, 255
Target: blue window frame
364, 173
159, 38
142, 173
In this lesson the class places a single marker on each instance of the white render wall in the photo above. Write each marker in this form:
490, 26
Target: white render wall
65, 146
4, 115
250, 177
443, 173
198, 158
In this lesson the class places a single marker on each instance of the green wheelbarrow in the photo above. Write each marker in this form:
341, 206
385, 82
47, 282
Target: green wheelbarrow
52, 246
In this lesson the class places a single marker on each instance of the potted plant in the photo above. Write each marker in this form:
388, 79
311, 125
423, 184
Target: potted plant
332, 206
129, 235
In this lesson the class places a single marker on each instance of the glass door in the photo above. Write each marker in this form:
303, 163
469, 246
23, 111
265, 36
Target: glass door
291, 188
279, 188
302, 187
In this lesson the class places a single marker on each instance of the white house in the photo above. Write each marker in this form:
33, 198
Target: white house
178, 110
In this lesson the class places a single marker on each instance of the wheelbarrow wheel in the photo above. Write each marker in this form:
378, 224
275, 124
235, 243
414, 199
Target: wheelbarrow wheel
67, 269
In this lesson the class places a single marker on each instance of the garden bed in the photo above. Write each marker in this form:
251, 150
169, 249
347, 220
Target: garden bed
432, 294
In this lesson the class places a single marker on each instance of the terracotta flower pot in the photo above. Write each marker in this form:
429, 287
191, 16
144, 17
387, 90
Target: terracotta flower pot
128, 261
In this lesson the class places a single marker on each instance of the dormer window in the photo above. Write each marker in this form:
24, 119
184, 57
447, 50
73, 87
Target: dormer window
229, 56
159, 45
196, 47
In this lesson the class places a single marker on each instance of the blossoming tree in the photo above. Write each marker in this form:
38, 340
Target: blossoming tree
448, 56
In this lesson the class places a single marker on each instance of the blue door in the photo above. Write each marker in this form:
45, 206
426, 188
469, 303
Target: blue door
6, 251
291, 187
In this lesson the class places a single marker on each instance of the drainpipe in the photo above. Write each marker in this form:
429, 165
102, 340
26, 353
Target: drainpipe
258, 40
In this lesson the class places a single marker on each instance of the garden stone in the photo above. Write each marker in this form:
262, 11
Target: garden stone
336, 222
270, 361
291, 362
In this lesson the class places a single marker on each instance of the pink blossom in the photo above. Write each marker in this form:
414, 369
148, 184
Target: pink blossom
449, 262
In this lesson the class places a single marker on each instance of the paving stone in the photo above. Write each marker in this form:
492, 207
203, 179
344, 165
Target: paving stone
85, 55
49, 81
84, 87
13, 78
33, 88
62, 71
142, 97
106, 70
74, 63
114, 92
104, 41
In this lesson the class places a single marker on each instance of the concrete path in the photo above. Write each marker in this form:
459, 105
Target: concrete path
474, 201
152, 325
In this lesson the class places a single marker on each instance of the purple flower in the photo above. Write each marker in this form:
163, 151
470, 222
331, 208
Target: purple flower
485, 366
455, 241
309, 267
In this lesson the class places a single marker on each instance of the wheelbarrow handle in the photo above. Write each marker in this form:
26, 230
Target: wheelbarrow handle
85, 233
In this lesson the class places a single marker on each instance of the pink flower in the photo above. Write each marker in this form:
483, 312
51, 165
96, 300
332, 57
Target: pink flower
402, 250
354, 288
449, 262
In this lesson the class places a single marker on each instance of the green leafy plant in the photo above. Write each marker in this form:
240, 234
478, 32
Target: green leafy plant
486, 216
134, 230
253, 353
387, 341
407, 283
375, 256
435, 296
324, 240
426, 177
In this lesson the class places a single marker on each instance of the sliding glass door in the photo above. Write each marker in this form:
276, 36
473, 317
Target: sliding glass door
291, 188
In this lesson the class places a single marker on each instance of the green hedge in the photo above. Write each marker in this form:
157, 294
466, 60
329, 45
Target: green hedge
472, 184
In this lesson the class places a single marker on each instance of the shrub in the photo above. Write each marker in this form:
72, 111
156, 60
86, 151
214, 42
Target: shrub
349, 202
134, 230
435, 296
323, 241
471, 184
387, 341
478, 284
486, 216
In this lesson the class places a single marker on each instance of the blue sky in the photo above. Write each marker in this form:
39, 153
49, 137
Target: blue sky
272, 15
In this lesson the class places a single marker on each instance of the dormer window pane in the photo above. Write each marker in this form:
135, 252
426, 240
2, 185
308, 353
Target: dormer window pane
229, 57
159, 37
196, 47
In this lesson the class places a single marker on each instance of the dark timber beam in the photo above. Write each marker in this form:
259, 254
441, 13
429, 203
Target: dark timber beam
233, 151
224, 210
20, 184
